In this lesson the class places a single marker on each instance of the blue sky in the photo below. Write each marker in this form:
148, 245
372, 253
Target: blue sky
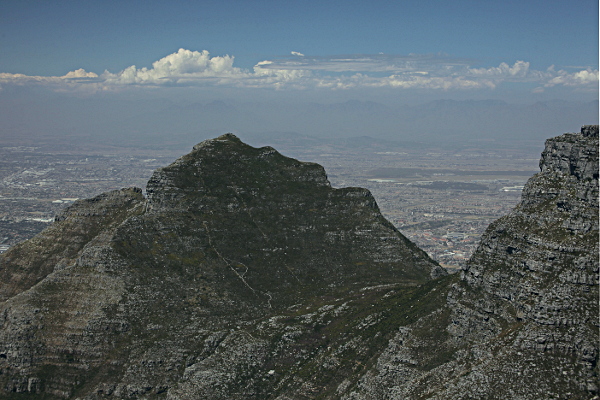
51, 38
404, 51
54, 37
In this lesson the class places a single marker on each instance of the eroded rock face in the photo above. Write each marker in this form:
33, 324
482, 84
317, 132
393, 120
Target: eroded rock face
182, 295
523, 320
61, 244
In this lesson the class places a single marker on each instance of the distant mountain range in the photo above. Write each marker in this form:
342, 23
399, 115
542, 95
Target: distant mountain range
46, 118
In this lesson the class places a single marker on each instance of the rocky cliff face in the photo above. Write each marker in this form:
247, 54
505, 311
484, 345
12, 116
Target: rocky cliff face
243, 274
522, 321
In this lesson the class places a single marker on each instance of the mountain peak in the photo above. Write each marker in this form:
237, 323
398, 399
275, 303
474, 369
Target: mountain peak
131, 294
228, 137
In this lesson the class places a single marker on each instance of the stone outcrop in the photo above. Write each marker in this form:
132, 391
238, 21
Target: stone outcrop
243, 274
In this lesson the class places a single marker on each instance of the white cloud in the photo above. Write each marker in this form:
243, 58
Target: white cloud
367, 63
79, 73
580, 78
418, 80
69, 76
413, 71
74, 81
519, 69
182, 67
264, 75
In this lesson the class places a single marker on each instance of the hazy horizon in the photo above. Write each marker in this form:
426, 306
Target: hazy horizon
174, 73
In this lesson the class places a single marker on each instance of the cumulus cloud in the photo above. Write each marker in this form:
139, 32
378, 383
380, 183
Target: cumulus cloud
182, 67
413, 71
580, 78
519, 69
79, 73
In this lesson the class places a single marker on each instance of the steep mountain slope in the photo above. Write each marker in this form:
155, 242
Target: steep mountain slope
175, 295
523, 321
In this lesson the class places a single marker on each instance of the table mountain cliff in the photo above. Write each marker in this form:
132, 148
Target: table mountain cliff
522, 321
243, 274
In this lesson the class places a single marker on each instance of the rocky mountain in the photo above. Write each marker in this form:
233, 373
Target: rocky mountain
243, 274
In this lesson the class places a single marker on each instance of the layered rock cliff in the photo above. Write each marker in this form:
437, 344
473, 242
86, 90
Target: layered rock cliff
243, 274
523, 320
